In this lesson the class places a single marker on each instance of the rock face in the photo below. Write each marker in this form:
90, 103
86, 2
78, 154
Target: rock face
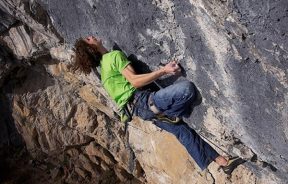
234, 52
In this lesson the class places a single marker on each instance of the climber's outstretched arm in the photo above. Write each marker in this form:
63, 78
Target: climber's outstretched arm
140, 80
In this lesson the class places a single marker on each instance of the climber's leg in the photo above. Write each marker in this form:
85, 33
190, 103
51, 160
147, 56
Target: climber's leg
201, 152
174, 100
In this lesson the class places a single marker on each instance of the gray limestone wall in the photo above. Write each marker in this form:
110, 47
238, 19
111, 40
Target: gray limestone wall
235, 52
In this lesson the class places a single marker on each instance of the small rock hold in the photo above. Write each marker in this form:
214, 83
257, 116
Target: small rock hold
243, 37
56, 172
104, 166
42, 167
243, 151
81, 172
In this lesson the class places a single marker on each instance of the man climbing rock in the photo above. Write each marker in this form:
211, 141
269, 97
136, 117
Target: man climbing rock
164, 107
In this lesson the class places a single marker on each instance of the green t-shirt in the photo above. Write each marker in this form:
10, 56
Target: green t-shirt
114, 82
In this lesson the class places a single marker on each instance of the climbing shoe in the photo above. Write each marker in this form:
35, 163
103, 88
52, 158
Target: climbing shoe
167, 119
232, 164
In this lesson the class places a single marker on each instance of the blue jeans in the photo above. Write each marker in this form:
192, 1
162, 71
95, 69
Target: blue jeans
174, 101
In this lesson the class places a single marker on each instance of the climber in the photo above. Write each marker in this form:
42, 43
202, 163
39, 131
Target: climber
164, 107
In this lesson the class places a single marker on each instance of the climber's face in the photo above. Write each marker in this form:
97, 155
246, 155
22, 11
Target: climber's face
93, 41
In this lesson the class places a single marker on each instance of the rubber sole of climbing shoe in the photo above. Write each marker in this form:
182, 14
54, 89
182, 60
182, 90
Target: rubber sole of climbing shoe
232, 164
168, 119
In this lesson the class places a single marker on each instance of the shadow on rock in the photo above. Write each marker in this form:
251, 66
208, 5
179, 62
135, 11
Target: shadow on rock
22, 80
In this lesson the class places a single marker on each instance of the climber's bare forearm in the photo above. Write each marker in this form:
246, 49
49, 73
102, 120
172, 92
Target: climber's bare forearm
140, 80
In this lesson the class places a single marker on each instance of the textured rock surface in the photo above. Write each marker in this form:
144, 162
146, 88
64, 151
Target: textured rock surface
164, 160
235, 53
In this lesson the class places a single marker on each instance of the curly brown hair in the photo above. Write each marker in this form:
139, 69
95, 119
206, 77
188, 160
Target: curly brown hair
86, 57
